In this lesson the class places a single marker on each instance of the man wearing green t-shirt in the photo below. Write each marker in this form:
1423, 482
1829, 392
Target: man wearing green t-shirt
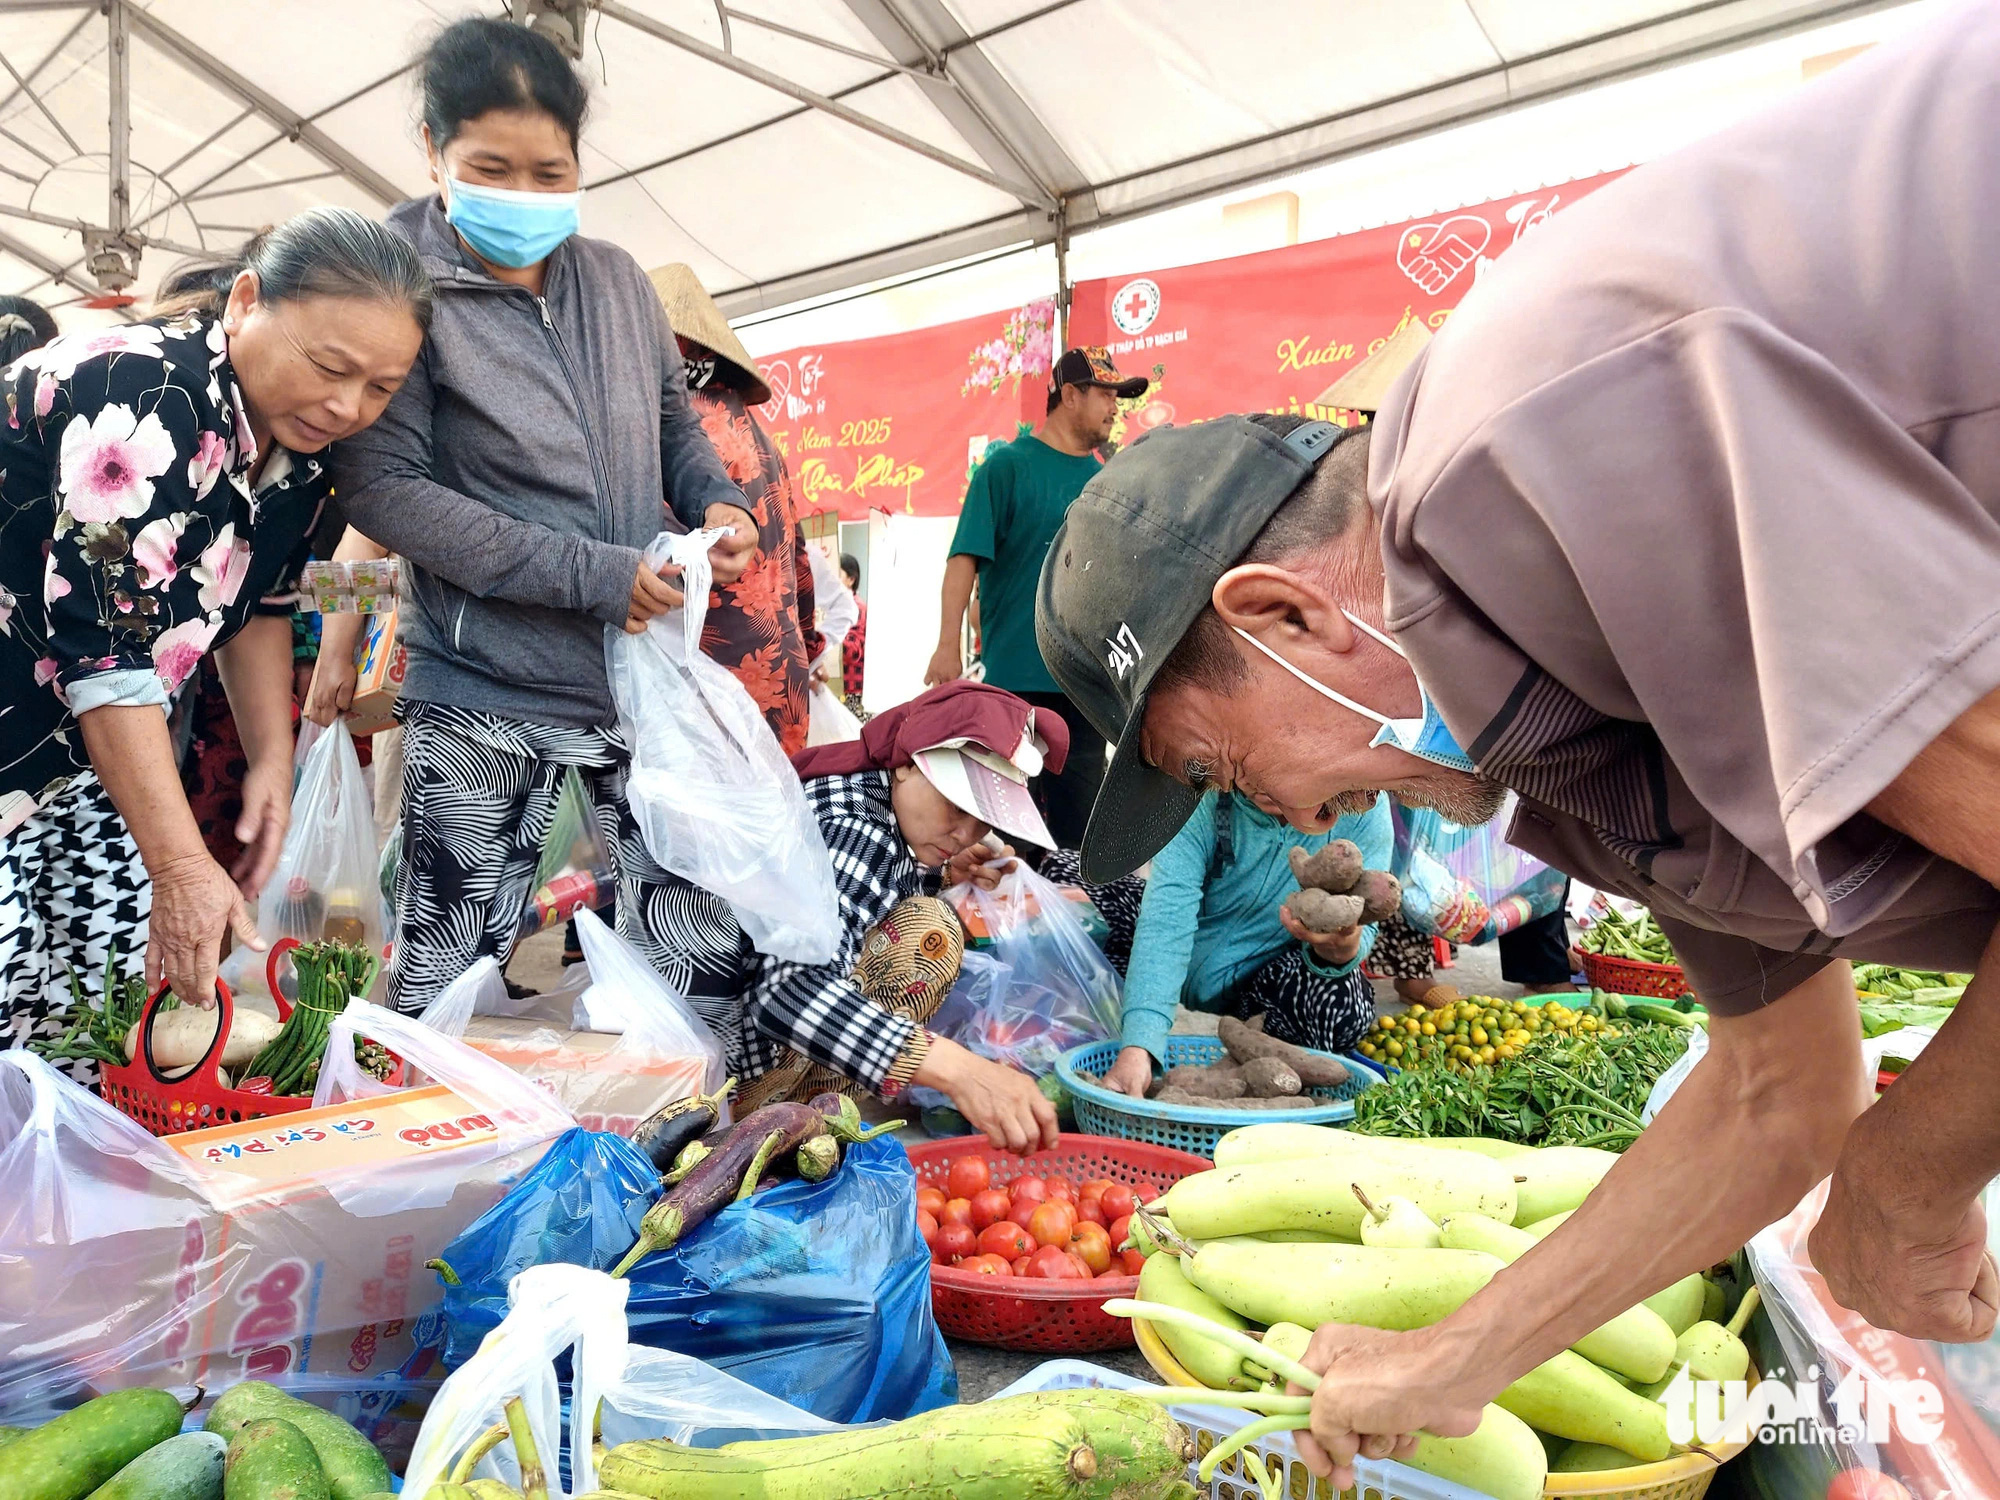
1013, 508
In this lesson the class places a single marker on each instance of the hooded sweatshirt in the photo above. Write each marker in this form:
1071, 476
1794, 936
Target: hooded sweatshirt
521, 471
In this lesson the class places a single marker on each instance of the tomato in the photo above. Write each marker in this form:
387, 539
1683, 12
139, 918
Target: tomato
986, 1265
989, 1207
1080, 1267
1092, 1245
1020, 1211
1051, 1263
1120, 1230
1028, 1190
928, 1228
1061, 1188
1865, 1484
1006, 1239
1131, 1262
955, 1242
1097, 1187
1118, 1202
1144, 1191
1051, 1224
931, 1201
1090, 1211
957, 1211
968, 1175
1020, 1264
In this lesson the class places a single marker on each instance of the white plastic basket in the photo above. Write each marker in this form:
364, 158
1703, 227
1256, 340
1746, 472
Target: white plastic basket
1210, 1424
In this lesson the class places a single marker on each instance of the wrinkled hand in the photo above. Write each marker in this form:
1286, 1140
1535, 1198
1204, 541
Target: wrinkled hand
1131, 1074
267, 814
1376, 1393
947, 665
1001, 1103
194, 902
1332, 948
652, 594
731, 555
331, 691
1919, 1270
980, 864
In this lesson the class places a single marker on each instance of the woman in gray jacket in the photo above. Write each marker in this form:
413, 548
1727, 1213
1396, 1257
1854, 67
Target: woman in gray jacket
520, 472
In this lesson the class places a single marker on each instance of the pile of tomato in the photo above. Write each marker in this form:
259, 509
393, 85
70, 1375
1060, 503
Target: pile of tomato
1048, 1227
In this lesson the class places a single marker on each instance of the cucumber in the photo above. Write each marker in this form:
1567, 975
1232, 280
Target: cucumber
348, 1460
1252, 1145
188, 1467
1318, 1192
1501, 1457
270, 1459
8, 1434
1162, 1280
1570, 1397
1034, 1447
494, 1489
1484, 1145
1559, 1178
1590, 1458
68, 1458
1314, 1284
1635, 1343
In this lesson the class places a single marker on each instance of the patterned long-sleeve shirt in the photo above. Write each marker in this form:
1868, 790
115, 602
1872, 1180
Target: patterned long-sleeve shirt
817, 1008
132, 541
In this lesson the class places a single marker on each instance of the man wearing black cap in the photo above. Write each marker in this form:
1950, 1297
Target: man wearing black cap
1692, 540
1014, 504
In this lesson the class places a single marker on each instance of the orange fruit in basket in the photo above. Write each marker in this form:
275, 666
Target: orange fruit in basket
931, 1201
1051, 1224
957, 1211
1092, 1245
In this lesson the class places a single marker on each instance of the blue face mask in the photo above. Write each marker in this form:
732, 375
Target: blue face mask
510, 228
1427, 738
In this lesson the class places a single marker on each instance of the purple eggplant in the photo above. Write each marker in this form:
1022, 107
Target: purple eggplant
661, 1136
726, 1175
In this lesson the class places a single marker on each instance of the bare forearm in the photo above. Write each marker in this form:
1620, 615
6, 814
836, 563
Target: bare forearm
355, 547
959, 575
256, 671
1754, 1126
133, 756
1928, 1147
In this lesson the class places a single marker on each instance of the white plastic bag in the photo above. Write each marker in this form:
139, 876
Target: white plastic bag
327, 883
1049, 987
832, 722
639, 1393
716, 800
611, 1049
523, 1116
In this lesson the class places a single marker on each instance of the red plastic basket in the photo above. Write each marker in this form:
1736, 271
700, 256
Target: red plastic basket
1044, 1317
197, 1100
1628, 976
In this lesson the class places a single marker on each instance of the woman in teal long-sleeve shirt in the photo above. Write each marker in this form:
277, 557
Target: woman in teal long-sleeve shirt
1212, 934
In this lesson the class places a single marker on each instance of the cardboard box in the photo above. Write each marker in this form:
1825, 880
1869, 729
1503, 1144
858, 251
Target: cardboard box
607, 1085
379, 664
288, 1246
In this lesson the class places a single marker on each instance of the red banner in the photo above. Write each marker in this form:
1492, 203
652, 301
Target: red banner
896, 423
1269, 332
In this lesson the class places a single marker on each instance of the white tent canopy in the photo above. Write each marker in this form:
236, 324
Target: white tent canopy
783, 148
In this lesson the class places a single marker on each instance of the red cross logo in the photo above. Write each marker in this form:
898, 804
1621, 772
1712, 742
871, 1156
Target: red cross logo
1135, 306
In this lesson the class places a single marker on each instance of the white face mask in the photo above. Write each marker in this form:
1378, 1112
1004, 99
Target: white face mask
1427, 738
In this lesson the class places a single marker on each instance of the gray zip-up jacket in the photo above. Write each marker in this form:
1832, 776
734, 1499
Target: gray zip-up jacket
521, 471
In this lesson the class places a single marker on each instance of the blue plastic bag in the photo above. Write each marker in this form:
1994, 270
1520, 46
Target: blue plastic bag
816, 1293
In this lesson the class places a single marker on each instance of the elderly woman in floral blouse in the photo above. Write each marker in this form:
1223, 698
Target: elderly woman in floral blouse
157, 497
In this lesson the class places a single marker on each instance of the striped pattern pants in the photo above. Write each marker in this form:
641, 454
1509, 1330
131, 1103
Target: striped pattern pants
479, 795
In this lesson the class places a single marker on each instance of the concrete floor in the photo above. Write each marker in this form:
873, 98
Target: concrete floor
537, 963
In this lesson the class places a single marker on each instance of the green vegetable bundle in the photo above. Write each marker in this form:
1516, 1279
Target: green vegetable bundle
1561, 1090
329, 974
1638, 938
1878, 1019
98, 1031
1910, 986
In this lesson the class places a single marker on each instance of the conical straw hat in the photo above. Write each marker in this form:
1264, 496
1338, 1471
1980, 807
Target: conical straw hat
1363, 387
695, 316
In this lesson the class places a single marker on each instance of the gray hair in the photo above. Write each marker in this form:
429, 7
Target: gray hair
323, 252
